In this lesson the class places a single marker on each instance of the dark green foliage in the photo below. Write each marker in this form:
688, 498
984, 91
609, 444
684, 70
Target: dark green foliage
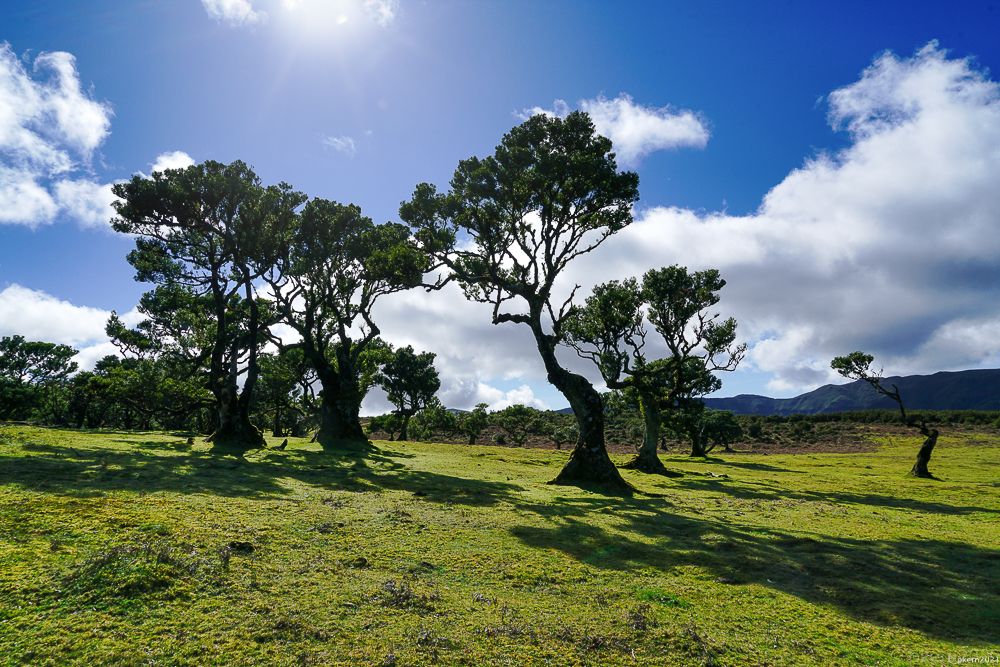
284, 397
434, 418
32, 373
333, 266
518, 422
473, 423
410, 382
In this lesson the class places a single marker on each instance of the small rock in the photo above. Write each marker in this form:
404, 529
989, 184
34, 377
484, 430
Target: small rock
360, 562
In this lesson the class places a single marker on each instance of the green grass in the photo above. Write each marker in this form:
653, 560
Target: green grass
124, 548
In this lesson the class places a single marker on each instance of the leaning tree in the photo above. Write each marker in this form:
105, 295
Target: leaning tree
334, 264
199, 229
858, 366
511, 224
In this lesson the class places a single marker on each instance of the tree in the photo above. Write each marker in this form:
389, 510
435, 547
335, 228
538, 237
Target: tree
858, 366
334, 267
709, 428
608, 330
699, 343
280, 390
517, 422
201, 229
434, 418
511, 224
27, 370
473, 423
410, 382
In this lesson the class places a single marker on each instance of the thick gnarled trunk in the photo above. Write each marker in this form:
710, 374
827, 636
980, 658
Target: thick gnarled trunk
647, 460
234, 432
697, 443
589, 462
340, 406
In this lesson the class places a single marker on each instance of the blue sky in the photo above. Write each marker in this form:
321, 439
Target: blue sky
359, 101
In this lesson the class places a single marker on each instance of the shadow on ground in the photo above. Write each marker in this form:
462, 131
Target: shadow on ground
944, 589
156, 465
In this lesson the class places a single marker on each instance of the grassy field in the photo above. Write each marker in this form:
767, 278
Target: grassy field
125, 548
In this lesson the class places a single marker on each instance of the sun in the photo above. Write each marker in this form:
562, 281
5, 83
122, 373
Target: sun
324, 20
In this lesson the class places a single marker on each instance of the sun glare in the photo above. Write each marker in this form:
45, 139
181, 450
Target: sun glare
325, 20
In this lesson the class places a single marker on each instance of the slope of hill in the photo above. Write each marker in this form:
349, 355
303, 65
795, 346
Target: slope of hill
959, 390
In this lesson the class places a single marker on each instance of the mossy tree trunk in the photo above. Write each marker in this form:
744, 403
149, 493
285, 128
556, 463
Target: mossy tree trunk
589, 462
647, 460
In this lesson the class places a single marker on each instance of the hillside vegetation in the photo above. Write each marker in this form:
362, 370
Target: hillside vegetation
125, 548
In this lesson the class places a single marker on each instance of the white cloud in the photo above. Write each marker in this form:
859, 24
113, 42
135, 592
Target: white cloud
49, 131
383, 12
634, 129
342, 144
235, 13
37, 315
23, 200
889, 245
171, 160
87, 202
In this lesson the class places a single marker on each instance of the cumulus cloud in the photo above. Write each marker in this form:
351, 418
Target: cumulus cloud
86, 201
40, 316
49, 130
236, 13
171, 160
634, 129
37, 315
889, 245
342, 144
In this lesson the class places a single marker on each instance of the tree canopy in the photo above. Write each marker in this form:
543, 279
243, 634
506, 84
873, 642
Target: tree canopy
510, 225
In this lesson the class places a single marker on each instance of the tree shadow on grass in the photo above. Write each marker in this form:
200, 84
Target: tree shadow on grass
761, 490
152, 466
944, 589
746, 465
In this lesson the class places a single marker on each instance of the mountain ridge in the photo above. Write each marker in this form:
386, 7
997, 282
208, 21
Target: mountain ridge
977, 389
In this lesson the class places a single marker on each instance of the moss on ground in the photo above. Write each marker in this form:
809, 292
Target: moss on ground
125, 548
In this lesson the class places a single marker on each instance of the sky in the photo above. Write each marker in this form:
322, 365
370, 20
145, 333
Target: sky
837, 162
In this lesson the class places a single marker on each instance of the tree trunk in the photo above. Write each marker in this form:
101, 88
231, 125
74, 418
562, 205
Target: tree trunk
589, 462
472, 439
339, 420
340, 398
697, 443
647, 460
403, 435
234, 433
276, 427
924, 455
